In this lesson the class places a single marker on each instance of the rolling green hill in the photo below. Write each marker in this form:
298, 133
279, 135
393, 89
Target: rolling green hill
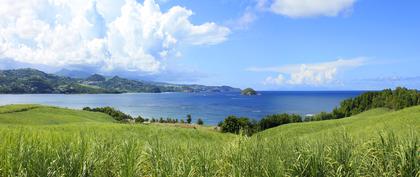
366, 124
34, 81
49, 141
48, 115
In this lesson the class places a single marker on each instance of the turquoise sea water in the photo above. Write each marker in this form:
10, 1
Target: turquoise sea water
211, 107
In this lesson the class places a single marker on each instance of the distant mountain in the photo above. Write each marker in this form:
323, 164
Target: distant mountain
73, 73
35, 81
96, 78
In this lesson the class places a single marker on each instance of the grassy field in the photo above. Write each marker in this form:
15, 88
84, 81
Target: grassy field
48, 141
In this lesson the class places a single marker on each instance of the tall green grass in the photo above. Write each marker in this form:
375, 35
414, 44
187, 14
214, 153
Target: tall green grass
84, 153
377, 143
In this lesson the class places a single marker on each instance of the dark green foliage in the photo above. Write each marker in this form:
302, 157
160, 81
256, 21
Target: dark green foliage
275, 120
249, 92
200, 121
140, 119
189, 119
162, 120
114, 113
322, 116
393, 99
233, 124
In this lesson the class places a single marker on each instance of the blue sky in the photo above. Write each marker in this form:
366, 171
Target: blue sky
264, 44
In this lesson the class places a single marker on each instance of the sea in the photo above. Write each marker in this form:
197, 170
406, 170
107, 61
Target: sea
210, 107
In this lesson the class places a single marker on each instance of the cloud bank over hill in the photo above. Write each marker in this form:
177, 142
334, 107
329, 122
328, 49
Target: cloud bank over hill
106, 35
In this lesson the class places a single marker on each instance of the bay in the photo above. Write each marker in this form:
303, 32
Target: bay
211, 107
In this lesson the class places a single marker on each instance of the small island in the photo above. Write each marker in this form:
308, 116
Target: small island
248, 92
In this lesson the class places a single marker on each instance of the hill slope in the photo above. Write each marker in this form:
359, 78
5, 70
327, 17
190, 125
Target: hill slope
366, 124
46, 115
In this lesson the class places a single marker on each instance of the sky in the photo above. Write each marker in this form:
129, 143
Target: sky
263, 44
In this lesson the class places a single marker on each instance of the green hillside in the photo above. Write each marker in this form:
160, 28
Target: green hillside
32, 81
47, 115
366, 124
49, 141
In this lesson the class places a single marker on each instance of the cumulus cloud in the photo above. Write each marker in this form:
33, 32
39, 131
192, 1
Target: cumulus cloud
109, 35
309, 74
306, 8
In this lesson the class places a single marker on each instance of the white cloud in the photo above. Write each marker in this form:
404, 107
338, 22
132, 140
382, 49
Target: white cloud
279, 80
309, 74
110, 35
244, 21
306, 8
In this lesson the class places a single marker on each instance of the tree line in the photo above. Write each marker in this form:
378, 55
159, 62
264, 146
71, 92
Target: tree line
247, 126
174, 120
122, 117
396, 99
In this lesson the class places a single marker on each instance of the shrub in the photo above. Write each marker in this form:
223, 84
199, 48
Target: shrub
140, 119
189, 119
233, 124
278, 119
114, 113
200, 122
322, 116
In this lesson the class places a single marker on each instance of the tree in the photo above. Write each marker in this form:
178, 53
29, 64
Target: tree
189, 119
233, 124
200, 121
139, 119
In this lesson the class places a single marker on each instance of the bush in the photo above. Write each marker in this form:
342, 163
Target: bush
140, 119
322, 116
114, 113
278, 119
233, 124
189, 119
200, 122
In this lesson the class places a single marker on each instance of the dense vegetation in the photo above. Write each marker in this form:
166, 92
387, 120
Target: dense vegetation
393, 99
114, 113
275, 120
35, 81
122, 117
48, 141
233, 124
249, 92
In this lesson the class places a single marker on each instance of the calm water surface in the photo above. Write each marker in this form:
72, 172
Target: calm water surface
211, 107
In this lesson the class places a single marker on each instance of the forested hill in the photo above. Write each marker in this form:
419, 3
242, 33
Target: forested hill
35, 81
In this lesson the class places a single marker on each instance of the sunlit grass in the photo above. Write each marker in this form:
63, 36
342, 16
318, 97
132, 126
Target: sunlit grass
366, 145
